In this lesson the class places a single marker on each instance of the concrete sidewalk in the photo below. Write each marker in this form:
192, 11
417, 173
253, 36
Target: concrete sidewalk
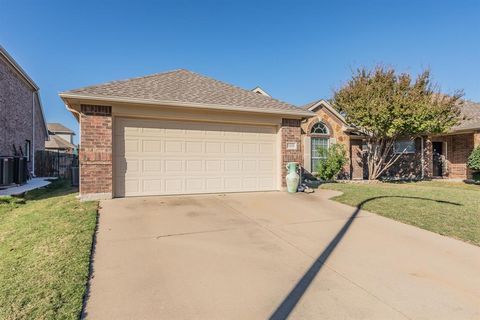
31, 184
258, 255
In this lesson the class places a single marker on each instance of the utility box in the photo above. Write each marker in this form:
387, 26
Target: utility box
75, 176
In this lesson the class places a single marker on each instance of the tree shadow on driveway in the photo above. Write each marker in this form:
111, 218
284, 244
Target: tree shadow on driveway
289, 303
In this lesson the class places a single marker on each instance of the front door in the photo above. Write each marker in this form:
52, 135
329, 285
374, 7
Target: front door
437, 159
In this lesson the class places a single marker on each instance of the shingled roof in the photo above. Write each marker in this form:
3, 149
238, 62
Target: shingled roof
186, 88
58, 128
56, 142
470, 111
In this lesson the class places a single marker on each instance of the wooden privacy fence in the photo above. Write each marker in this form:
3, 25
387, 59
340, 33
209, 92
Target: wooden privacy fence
54, 164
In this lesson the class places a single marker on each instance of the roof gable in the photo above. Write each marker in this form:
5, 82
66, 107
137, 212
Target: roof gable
312, 106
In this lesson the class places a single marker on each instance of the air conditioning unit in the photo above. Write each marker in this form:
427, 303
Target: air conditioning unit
6, 171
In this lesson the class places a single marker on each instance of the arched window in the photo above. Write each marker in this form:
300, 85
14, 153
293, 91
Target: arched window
319, 128
319, 144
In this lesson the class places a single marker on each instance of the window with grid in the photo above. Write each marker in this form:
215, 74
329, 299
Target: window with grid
319, 151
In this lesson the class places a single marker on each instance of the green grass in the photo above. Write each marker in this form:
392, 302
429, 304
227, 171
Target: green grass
447, 208
45, 243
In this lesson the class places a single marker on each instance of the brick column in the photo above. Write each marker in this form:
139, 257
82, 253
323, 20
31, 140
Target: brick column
291, 134
95, 152
427, 157
476, 139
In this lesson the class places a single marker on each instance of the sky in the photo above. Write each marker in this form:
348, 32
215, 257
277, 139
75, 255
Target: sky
297, 51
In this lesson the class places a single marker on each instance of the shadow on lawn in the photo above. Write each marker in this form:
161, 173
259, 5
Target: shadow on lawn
294, 296
57, 188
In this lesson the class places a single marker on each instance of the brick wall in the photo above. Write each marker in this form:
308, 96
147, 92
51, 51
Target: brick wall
459, 149
95, 151
16, 121
291, 132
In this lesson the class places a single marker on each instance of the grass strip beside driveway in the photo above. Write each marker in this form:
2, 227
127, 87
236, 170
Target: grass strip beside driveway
447, 208
45, 244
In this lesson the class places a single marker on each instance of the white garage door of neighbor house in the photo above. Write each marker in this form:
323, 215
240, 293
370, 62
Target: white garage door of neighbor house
160, 157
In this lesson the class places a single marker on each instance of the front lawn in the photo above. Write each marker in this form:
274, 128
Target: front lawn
45, 242
447, 208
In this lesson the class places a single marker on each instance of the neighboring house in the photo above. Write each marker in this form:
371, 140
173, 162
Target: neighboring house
23, 128
428, 156
60, 138
180, 132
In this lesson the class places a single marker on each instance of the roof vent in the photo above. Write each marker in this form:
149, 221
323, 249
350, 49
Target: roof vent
261, 91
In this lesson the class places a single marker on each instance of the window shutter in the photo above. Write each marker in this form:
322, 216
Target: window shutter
307, 154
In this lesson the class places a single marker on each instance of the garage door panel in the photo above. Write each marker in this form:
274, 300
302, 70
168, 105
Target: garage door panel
194, 147
249, 147
249, 165
155, 157
212, 166
151, 145
173, 186
152, 166
152, 185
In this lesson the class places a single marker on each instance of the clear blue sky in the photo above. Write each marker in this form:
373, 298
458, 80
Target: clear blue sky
298, 51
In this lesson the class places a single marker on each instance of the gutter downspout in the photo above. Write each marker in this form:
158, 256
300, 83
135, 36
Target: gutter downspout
32, 147
78, 146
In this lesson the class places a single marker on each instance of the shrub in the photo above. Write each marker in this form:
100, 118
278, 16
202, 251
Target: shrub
474, 163
474, 159
335, 160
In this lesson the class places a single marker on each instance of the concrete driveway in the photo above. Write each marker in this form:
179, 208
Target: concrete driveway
273, 255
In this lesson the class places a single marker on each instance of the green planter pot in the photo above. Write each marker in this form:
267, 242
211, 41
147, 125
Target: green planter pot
292, 177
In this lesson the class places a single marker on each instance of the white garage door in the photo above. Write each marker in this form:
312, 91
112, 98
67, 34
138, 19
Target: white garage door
159, 157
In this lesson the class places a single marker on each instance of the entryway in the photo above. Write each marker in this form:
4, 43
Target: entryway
437, 158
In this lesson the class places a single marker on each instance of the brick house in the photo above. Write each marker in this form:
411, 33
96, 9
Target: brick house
180, 132
23, 128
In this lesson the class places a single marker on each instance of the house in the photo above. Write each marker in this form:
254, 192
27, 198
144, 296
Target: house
23, 129
428, 156
60, 138
180, 132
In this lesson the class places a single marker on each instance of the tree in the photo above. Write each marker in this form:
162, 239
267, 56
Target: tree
385, 106
336, 158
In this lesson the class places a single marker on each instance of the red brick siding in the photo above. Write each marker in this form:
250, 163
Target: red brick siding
95, 149
290, 132
357, 163
461, 147
458, 148
16, 120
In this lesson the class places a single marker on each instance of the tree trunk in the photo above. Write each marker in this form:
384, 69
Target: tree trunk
380, 156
